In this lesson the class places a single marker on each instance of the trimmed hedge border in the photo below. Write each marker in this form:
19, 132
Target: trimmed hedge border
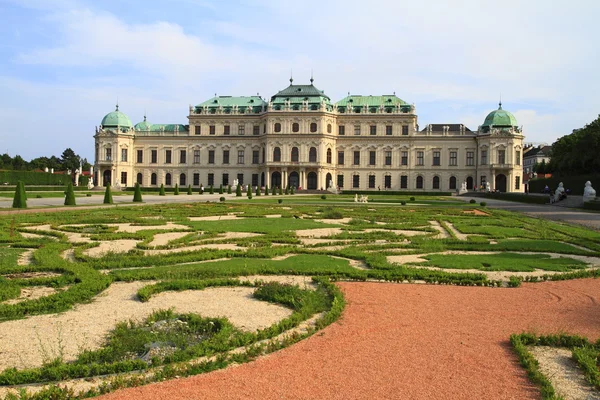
574, 182
37, 178
50, 188
397, 192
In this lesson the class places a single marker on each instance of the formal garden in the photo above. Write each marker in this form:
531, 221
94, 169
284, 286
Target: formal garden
110, 297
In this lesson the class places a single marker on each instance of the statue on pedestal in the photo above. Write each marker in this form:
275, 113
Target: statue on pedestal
588, 192
559, 193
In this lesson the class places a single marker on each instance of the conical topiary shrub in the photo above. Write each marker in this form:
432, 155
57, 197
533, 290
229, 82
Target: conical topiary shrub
292, 191
287, 190
137, 195
249, 192
280, 190
258, 190
190, 189
176, 191
273, 192
70, 195
212, 190
228, 189
108, 195
238, 191
20, 199
266, 190
221, 189
161, 192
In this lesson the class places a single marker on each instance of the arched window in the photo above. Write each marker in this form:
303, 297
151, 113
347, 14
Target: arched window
452, 184
295, 155
153, 179
295, 127
168, 179
277, 127
139, 178
328, 128
436, 182
313, 127
276, 154
182, 180
312, 155
328, 156
419, 182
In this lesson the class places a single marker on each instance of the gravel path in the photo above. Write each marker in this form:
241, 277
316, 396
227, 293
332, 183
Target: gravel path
406, 342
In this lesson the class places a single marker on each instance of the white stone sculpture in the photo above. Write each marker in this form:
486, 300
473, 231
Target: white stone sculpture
559, 192
488, 187
588, 192
463, 188
356, 198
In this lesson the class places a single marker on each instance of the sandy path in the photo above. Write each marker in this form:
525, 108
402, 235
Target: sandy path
161, 239
112, 246
407, 342
318, 233
24, 342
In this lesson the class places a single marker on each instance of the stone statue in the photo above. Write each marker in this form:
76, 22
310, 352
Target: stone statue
463, 188
235, 183
91, 183
356, 198
488, 187
559, 193
588, 192
118, 185
330, 184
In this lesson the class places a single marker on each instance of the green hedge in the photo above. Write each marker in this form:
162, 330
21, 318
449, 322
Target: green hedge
11, 188
574, 182
37, 178
520, 197
592, 205
397, 192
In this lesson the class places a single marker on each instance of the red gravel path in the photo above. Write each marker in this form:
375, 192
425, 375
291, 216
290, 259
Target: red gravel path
406, 342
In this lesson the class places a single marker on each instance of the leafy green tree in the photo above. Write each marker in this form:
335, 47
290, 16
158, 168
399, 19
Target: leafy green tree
18, 163
161, 192
70, 195
577, 153
238, 191
137, 195
108, 195
70, 160
20, 199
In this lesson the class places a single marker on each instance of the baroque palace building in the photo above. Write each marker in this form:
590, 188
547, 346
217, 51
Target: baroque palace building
300, 138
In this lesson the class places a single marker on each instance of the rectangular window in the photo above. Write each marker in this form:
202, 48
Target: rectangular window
211, 156
387, 182
404, 182
388, 158
154, 156
254, 179
357, 130
357, 158
371, 181
255, 155
341, 130
372, 157
240, 178
518, 158
225, 156
340, 181
167, 156
517, 182
124, 178
420, 158
355, 181
211, 179
340, 158
197, 130
240, 156
182, 156
501, 156
470, 158
109, 154
256, 130
388, 130
483, 157
140, 156
196, 156
404, 159
196, 179
241, 129
405, 130
436, 158
211, 130
225, 179
453, 158
373, 130
124, 155
226, 130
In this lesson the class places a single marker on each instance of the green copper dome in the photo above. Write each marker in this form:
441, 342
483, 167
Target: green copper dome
143, 126
500, 118
116, 118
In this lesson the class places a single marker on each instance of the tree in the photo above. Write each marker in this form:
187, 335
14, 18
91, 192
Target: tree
137, 195
238, 191
211, 190
161, 192
176, 191
228, 189
189, 189
249, 192
280, 190
70, 195
577, 153
18, 163
221, 188
258, 191
273, 192
70, 160
108, 195
266, 190
20, 199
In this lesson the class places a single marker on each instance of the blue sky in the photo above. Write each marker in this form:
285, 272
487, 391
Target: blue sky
64, 63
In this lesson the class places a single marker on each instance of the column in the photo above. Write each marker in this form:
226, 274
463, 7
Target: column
284, 176
268, 177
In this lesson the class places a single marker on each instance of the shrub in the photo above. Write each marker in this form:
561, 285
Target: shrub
403, 202
472, 201
228, 189
221, 189
189, 189
39, 196
483, 204
137, 196
249, 193
108, 195
273, 192
266, 190
176, 191
280, 201
70, 195
412, 199
258, 190
287, 190
323, 197
238, 191
280, 190
221, 199
161, 192
292, 190
20, 199
211, 190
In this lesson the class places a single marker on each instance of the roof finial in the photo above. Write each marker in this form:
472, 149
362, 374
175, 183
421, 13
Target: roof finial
500, 103
291, 77
117, 109
144, 115
312, 79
